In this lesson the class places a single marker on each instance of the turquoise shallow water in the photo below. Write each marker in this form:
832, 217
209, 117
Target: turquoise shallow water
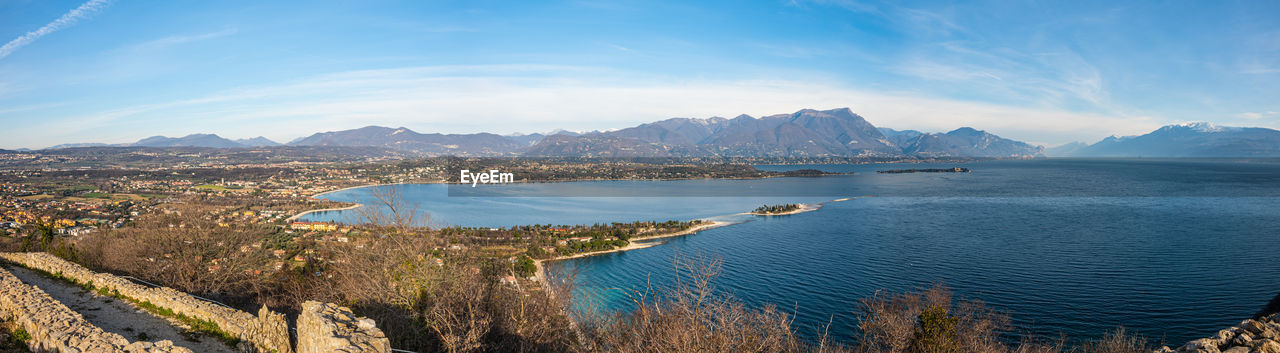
1172, 249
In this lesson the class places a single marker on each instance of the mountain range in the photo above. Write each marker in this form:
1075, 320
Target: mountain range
193, 140
805, 133
1181, 140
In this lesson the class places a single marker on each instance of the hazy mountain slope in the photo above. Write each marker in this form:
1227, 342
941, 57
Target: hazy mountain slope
808, 132
193, 140
695, 130
849, 129
526, 139
482, 144
804, 133
1190, 140
653, 133
257, 142
1065, 150
970, 142
901, 137
365, 136
75, 145
601, 145
781, 140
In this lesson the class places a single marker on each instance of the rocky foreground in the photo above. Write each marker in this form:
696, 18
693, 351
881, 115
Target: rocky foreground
1251, 336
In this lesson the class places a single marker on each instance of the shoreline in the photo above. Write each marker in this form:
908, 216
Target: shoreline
540, 275
360, 186
352, 207
642, 242
304, 213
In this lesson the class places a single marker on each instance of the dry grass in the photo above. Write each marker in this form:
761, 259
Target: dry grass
693, 317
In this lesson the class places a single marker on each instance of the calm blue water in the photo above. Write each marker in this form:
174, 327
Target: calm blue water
1173, 249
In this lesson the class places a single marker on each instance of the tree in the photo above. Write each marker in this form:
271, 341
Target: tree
524, 267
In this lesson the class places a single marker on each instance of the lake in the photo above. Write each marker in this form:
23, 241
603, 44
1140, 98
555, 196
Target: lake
1172, 249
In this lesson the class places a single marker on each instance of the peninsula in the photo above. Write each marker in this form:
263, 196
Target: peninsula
930, 170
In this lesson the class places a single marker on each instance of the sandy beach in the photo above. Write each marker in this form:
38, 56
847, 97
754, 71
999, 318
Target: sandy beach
368, 186
304, 213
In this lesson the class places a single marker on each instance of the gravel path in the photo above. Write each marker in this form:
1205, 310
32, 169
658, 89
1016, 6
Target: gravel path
120, 317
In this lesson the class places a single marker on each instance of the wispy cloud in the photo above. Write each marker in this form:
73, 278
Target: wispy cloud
183, 39
1059, 77
1259, 115
929, 21
930, 70
67, 19
1257, 68
851, 5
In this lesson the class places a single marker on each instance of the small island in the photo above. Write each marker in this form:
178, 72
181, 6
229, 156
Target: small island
777, 210
932, 170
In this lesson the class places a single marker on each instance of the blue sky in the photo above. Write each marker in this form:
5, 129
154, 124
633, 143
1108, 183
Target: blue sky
1043, 72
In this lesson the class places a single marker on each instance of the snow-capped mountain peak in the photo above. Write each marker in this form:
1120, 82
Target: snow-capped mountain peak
1201, 126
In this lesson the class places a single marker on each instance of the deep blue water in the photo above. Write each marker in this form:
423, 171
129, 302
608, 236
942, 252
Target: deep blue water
1172, 249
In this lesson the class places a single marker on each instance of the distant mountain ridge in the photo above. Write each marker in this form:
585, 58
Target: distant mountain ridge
804, 133
1065, 150
900, 137
193, 140
969, 142
76, 145
481, 144
257, 142
1188, 140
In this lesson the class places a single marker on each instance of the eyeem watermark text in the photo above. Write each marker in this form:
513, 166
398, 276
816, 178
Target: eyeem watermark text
491, 177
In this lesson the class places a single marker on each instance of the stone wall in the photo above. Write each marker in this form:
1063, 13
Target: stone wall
324, 327
266, 332
54, 327
1251, 336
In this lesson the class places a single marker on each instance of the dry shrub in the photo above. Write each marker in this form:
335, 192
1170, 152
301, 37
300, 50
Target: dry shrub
454, 307
418, 304
692, 317
179, 257
10, 244
1118, 341
930, 321
533, 322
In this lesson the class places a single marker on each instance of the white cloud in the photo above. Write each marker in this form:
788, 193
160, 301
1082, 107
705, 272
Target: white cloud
509, 98
1259, 115
67, 19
